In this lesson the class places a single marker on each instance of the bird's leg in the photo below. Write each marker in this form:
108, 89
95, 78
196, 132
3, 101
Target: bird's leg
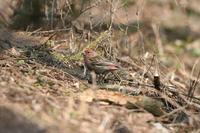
84, 75
94, 78
85, 70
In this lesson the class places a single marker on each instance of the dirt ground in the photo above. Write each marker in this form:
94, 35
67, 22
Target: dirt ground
42, 89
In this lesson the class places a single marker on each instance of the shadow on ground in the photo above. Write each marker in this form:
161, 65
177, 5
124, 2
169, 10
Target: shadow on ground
12, 122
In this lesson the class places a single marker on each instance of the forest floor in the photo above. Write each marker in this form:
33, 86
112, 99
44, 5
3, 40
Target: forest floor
42, 88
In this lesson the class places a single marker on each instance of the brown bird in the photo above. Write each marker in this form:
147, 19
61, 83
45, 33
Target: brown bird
98, 64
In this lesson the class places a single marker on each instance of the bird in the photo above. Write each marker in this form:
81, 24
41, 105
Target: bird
98, 64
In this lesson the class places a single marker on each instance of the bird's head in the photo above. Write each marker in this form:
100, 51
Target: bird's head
89, 53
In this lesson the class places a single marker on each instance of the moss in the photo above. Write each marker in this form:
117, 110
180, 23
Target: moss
58, 56
78, 55
20, 62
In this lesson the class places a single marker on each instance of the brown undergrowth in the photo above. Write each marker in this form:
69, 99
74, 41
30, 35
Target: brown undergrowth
45, 85
42, 88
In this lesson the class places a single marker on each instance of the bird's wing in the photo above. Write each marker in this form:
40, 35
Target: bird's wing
106, 63
96, 60
102, 62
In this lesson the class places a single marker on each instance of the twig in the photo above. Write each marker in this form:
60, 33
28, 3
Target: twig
123, 89
193, 83
172, 112
49, 31
130, 63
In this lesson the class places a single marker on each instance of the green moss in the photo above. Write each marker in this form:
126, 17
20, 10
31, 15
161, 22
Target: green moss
20, 62
58, 56
54, 112
78, 56
40, 81
75, 57
50, 43
195, 52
